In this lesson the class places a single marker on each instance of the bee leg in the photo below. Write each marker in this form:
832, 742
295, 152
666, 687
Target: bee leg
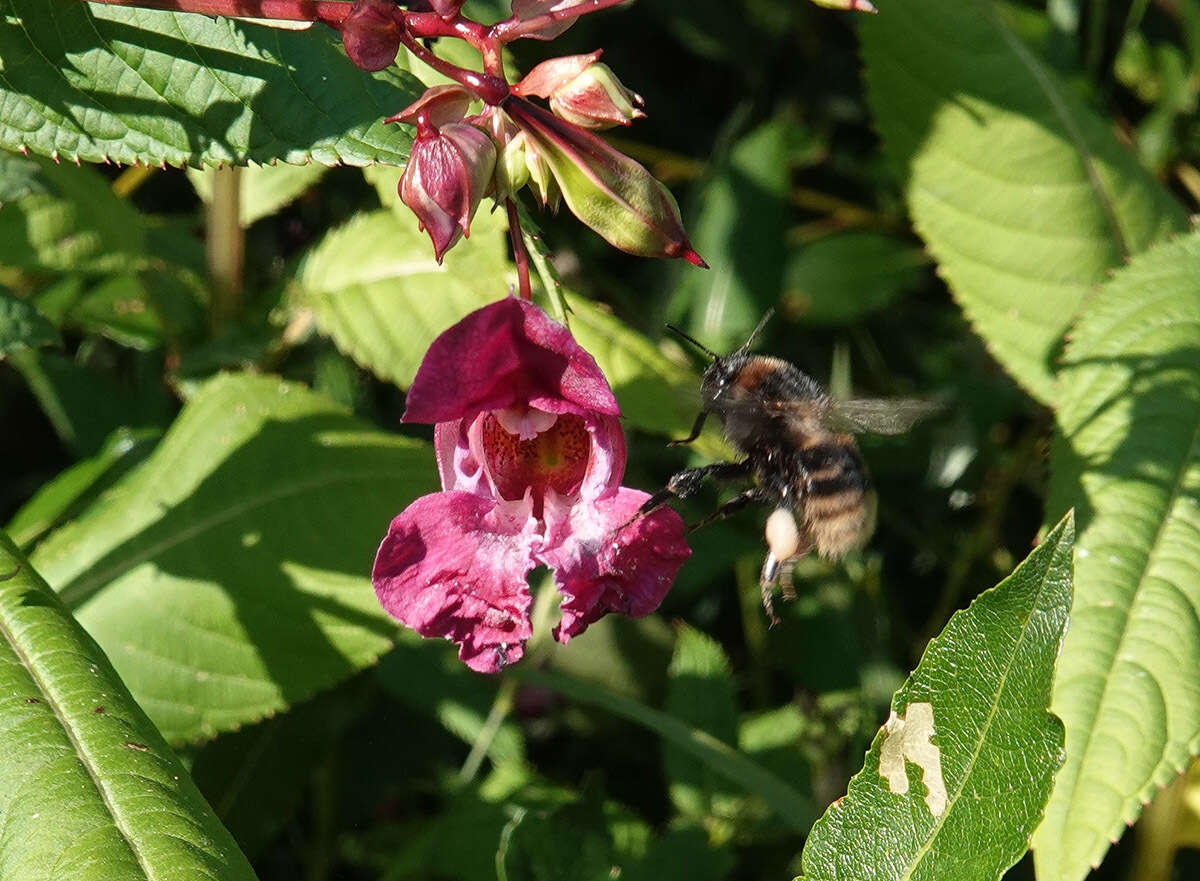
696, 426
767, 585
688, 481
754, 494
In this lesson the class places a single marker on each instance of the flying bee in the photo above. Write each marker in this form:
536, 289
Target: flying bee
797, 445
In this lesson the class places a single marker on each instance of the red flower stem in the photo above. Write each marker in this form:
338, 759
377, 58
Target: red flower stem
520, 256
490, 89
515, 28
330, 12
430, 24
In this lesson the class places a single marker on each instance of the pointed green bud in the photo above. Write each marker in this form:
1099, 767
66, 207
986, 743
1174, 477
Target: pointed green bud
603, 187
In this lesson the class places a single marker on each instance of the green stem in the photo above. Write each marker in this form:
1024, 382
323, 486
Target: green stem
495, 718
1154, 842
225, 245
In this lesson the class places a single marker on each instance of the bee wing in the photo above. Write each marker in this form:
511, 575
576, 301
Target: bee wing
879, 415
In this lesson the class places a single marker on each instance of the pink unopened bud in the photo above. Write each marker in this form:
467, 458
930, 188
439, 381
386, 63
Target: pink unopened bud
449, 171
852, 5
582, 91
603, 187
447, 9
371, 33
437, 106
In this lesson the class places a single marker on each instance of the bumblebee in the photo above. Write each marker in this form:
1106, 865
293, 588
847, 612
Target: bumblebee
797, 446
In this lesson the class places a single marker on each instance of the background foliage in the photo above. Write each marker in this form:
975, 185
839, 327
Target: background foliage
981, 201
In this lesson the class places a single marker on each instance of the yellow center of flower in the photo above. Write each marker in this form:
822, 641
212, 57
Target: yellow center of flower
554, 458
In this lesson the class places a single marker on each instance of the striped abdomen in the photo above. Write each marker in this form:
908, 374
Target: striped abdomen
838, 502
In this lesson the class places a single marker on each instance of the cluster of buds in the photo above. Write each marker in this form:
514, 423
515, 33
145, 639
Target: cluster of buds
483, 137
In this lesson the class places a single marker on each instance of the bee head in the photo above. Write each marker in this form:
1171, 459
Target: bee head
725, 369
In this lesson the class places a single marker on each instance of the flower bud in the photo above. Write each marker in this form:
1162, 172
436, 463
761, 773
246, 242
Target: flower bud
449, 171
437, 106
582, 91
447, 9
852, 5
603, 187
371, 34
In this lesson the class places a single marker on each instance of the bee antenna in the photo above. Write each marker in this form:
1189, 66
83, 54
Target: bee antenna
745, 347
703, 348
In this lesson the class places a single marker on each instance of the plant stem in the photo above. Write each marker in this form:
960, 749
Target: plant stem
1154, 838
330, 12
520, 255
490, 89
515, 28
491, 726
225, 245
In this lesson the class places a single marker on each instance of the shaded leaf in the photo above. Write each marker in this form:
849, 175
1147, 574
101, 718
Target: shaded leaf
839, 278
1020, 191
88, 787
72, 222
228, 576
700, 694
22, 326
790, 805
959, 797
265, 189
739, 228
67, 494
107, 83
1128, 458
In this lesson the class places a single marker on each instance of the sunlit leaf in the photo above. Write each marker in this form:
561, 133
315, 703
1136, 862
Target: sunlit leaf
88, 787
956, 781
1128, 459
1021, 192
374, 288
109, 83
227, 577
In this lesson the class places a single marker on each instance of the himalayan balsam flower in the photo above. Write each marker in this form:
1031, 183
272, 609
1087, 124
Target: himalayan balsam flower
530, 454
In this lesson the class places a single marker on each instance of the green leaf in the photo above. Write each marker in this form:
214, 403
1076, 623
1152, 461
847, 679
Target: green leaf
376, 291
840, 278
74, 489
739, 229
700, 694
88, 787
22, 326
791, 805
1128, 456
73, 222
228, 576
85, 405
961, 795
1021, 192
255, 778
105, 83
655, 393
265, 189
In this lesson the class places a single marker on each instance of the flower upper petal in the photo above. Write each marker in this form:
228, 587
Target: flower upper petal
601, 567
507, 353
453, 564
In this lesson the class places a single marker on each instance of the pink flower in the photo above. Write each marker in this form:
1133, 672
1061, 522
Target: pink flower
530, 453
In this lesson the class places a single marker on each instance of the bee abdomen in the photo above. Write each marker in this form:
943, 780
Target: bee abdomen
839, 504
